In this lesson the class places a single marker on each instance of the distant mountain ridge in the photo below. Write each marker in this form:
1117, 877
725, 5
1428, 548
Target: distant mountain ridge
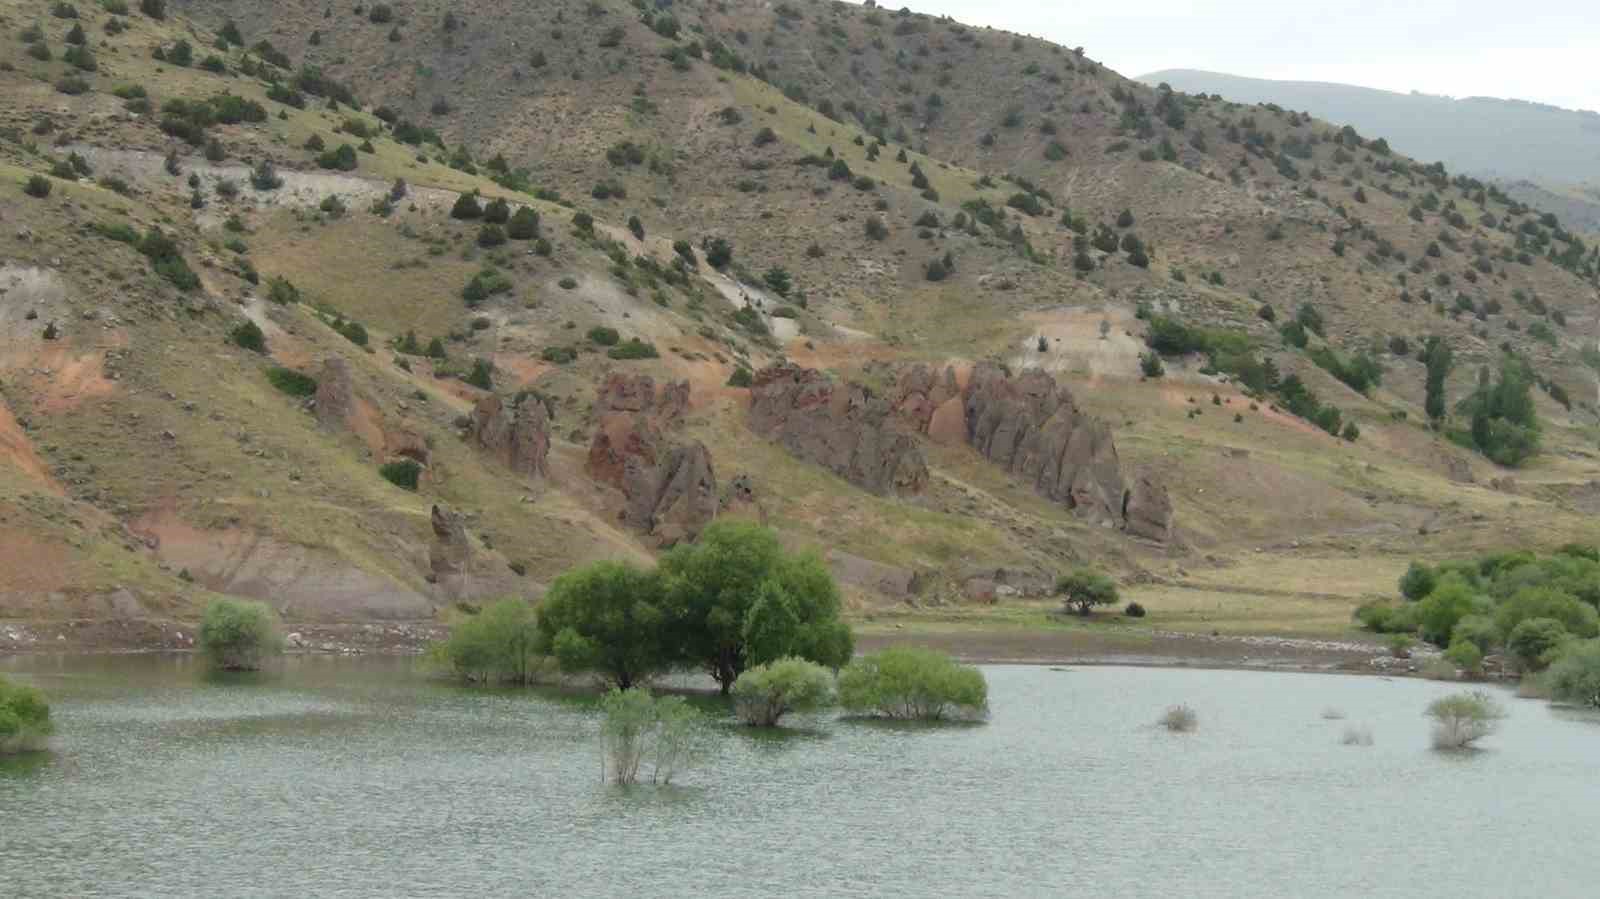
1486, 136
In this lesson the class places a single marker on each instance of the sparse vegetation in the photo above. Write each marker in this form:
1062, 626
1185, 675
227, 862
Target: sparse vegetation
1180, 719
1462, 719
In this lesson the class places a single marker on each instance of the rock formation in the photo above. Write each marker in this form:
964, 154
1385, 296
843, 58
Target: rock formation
450, 553
842, 427
1030, 426
673, 498
336, 395
1147, 510
669, 490
518, 437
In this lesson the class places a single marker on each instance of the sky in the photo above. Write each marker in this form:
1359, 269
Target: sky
1547, 51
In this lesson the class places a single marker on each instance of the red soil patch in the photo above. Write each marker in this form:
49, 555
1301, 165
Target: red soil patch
16, 450
73, 377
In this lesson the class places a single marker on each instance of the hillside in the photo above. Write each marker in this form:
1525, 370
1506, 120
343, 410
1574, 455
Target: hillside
775, 214
1517, 142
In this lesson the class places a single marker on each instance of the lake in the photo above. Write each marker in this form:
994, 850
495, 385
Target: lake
360, 777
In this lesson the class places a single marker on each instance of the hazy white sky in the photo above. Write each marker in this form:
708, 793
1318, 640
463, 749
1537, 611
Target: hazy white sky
1544, 50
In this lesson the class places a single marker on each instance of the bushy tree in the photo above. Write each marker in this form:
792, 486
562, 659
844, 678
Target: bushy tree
912, 683
237, 635
466, 207
765, 693
25, 723
248, 335
737, 600
1575, 674
524, 224
608, 619
1534, 641
1447, 603
1505, 425
499, 643
1574, 615
1418, 581
1083, 589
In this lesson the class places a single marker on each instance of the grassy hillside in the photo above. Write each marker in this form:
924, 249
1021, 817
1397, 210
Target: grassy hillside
149, 459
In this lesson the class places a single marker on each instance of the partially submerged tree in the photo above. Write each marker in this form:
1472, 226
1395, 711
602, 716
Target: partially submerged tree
607, 619
1461, 719
913, 683
765, 693
25, 723
499, 643
237, 634
737, 600
638, 727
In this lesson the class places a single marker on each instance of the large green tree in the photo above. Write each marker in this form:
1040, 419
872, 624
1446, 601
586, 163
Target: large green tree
607, 618
737, 600
1084, 589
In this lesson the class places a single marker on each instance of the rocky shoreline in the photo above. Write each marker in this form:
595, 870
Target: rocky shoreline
997, 646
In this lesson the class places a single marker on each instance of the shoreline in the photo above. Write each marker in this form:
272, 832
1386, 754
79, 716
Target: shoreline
977, 645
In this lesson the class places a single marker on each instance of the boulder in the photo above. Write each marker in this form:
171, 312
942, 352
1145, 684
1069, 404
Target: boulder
842, 427
518, 437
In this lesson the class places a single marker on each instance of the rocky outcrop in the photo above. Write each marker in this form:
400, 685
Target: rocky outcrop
673, 498
450, 553
1030, 426
669, 490
519, 437
638, 394
336, 394
1147, 510
842, 427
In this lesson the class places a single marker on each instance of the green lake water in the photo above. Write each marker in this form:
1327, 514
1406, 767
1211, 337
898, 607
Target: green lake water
361, 777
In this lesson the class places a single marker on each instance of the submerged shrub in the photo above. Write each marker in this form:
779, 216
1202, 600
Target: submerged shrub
1356, 735
912, 683
25, 723
1180, 719
1461, 719
500, 643
764, 694
237, 634
637, 727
